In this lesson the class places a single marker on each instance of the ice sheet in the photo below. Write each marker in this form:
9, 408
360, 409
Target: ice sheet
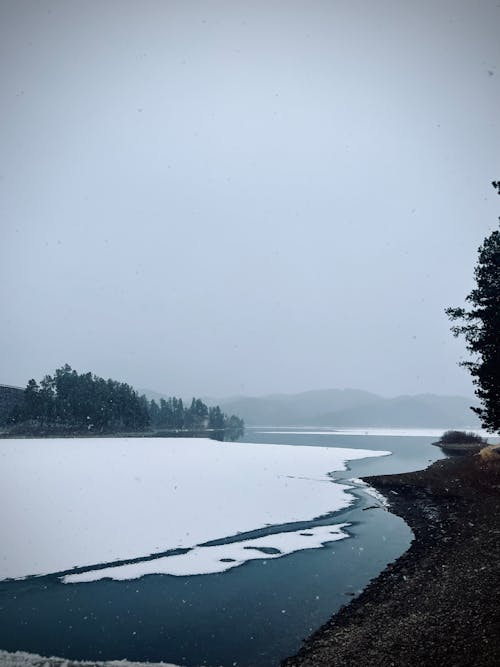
395, 432
80, 502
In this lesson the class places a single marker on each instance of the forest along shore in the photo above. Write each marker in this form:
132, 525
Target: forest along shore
439, 603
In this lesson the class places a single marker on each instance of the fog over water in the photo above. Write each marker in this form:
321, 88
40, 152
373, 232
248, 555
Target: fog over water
220, 198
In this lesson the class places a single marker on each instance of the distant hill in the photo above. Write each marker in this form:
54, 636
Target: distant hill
351, 407
407, 411
293, 409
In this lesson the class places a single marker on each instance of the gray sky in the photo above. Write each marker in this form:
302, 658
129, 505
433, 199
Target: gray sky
245, 197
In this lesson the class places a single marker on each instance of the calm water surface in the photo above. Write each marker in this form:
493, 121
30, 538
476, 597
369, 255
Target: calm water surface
250, 616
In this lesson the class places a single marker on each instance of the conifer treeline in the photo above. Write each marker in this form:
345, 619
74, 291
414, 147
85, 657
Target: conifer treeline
69, 402
174, 414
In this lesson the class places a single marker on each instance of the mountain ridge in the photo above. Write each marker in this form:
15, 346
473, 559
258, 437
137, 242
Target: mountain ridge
353, 407
347, 408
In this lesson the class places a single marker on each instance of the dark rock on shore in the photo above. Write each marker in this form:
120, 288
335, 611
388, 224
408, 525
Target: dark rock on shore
439, 604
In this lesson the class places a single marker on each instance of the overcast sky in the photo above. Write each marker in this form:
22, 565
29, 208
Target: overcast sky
219, 198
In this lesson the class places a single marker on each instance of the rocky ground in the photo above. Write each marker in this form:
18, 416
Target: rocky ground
439, 604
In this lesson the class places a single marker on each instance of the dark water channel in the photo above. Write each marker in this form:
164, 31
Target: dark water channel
250, 616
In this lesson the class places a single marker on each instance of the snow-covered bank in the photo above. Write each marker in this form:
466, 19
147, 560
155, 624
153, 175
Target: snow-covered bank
22, 659
369, 490
79, 502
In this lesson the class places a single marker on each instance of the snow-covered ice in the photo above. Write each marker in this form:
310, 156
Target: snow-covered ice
369, 430
80, 502
22, 659
211, 559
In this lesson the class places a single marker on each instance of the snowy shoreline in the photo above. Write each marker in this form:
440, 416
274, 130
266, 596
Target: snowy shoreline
23, 659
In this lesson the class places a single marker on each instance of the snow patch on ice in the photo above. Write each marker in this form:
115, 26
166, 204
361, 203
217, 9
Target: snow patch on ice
212, 559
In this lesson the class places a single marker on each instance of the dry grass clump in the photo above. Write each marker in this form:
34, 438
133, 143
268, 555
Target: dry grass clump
490, 454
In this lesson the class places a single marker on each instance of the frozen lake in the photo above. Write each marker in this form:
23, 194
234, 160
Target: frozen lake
248, 546
75, 502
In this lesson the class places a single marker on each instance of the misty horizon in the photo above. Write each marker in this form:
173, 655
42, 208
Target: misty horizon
151, 391
265, 394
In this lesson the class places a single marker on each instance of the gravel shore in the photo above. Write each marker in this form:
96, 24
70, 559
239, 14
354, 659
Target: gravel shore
439, 604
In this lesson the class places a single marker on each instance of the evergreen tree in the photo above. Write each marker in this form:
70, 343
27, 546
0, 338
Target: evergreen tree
234, 427
47, 412
216, 418
154, 413
178, 413
480, 326
197, 414
166, 414
31, 402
